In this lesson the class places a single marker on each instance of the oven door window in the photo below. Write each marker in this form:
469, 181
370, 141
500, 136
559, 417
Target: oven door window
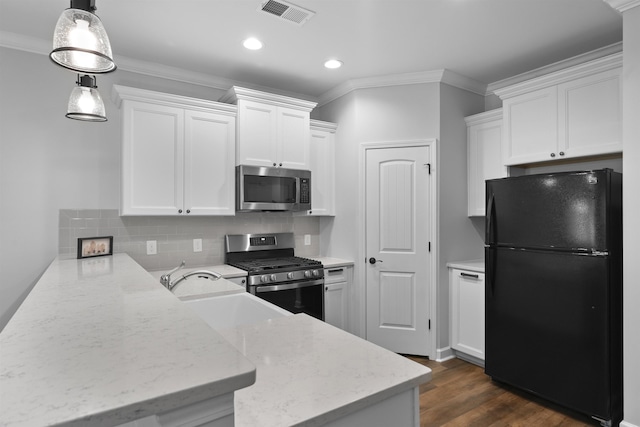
269, 189
309, 300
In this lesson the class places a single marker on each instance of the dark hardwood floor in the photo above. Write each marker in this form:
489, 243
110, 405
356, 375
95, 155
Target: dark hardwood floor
460, 394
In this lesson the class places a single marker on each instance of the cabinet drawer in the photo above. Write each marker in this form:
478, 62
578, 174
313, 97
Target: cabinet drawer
336, 274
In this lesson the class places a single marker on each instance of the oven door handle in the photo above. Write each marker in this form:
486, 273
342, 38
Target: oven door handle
288, 286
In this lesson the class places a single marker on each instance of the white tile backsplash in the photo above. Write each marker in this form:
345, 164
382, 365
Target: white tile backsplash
174, 235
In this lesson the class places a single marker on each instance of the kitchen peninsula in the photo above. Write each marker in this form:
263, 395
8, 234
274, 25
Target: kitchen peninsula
99, 342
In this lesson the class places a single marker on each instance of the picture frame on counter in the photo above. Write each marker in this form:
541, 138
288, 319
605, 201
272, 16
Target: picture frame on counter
89, 247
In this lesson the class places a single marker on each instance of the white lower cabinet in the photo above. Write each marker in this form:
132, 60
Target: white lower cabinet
336, 287
467, 312
177, 154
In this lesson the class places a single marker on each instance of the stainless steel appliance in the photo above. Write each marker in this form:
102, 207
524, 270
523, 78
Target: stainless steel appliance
275, 274
554, 288
272, 189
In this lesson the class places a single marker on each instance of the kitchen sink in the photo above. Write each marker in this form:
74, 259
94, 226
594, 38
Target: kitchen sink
228, 311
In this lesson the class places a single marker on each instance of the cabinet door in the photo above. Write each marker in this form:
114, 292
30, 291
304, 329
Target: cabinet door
293, 138
209, 171
484, 162
530, 127
152, 159
322, 151
335, 307
467, 312
590, 115
257, 134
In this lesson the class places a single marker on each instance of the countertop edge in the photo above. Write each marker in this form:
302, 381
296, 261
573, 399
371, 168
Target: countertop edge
476, 265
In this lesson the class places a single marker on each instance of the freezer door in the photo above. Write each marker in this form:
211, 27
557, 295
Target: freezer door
552, 211
548, 327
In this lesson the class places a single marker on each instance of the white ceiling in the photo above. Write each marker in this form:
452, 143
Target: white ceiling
484, 40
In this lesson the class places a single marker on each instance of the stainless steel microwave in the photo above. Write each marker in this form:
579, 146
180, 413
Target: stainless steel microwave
272, 189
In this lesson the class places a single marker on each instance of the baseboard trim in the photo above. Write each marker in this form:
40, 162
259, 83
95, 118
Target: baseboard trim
627, 424
443, 354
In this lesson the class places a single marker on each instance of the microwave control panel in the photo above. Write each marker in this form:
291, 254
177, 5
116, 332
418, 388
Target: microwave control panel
305, 190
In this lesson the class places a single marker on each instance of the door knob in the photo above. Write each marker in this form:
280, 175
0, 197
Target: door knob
372, 260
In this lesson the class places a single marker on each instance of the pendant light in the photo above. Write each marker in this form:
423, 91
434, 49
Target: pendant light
85, 102
80, 42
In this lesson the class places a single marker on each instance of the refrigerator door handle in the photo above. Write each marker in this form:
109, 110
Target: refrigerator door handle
489, 220
490, 272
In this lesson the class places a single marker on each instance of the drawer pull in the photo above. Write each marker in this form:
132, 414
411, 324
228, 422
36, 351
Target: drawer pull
474, 276
336, 270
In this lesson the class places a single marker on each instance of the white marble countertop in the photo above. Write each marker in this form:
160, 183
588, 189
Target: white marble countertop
311, 373
99, 342
328, 262
476, 265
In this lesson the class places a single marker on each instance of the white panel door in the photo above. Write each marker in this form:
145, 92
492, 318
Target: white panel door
257, 134
152, 159
209, 163
397, 241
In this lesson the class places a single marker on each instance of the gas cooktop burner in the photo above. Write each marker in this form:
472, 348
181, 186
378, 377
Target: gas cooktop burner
255, 266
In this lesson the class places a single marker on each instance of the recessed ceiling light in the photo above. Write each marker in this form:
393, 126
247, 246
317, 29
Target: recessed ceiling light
333, 63
252, 43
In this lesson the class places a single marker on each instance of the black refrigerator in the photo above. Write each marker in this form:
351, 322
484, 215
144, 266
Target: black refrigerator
553, 296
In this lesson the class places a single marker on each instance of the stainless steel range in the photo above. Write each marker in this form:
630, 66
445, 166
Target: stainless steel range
275, 274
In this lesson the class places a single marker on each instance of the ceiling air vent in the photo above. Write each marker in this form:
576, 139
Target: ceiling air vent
287, 11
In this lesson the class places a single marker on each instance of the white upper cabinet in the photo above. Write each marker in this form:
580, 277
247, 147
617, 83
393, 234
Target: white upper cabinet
571, 113
322, 149
178, 154
272, 130
484, 157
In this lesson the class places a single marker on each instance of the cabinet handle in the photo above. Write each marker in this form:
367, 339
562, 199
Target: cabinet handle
188, 211
553, 154
179, 210
274, 164
336, 270
562, 153
474, 276
280, 165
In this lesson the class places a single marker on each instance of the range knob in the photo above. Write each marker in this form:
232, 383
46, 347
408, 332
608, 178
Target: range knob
315, 273
274, 277
307, 274
264, 278
290, 275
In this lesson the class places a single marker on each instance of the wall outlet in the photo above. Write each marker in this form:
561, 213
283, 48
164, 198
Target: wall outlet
197, 245
152, 247
307, 239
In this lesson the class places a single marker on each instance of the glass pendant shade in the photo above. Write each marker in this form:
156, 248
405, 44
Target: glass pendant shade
80, 42
85, 102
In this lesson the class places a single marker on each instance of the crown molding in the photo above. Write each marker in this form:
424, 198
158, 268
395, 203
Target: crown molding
494, 88
485, 117
324, 126
435, 76
236, 93
120, 93
622, 5
596, 66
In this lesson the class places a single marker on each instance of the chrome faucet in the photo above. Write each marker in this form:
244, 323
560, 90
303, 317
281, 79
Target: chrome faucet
165, 279
202, 274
